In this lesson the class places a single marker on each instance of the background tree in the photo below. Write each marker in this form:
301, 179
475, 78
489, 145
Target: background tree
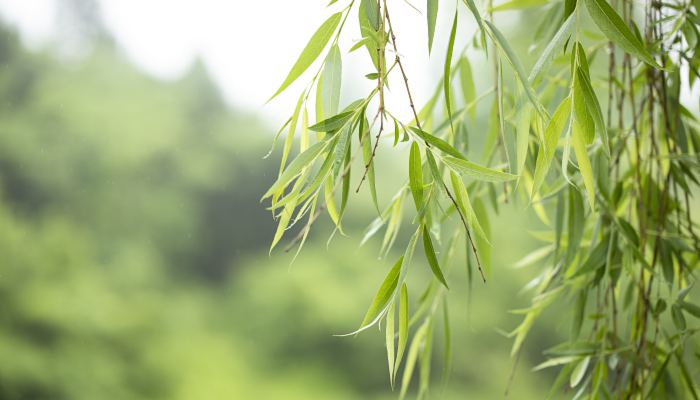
595, 138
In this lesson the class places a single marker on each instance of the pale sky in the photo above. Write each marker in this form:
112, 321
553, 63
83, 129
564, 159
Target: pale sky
248, 46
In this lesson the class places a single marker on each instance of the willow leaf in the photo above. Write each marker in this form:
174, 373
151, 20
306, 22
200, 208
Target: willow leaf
476, 171
389, 335
432, 19
581, 111
519, 4
332, 79
311, 52
465, 206
437, 142
554, 45
475, 11
418, 340
415, 174
610, 23
466, 80
515, 62
432, 259
295, 167
523, 136
594, 108
584, 163
448, 71
366, 140
403, 328
551, 137
384, 294
333, 123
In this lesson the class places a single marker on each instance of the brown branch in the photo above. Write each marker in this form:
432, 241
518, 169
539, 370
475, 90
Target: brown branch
415, 115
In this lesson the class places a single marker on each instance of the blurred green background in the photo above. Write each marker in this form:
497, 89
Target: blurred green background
134, 253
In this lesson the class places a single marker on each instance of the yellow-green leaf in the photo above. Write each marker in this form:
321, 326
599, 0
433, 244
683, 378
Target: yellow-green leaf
311, 52
476, 171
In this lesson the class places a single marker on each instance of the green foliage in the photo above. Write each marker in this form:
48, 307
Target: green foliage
622, 254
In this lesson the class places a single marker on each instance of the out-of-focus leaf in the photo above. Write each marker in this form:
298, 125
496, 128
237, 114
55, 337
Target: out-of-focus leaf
519, 4
432, 19
416, 343
523, 136
466, 80
475, 12
579, 372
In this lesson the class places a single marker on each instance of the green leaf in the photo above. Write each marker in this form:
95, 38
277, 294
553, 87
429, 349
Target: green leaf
295, 167
403, 327
475, 11
416, 343
498, 37
466, 80
432, 19
478, 172
553, 46
551, 137
437, 142
584, 163
311, 52
465, 206
691, 308
523, 136
448, 71
389, 336
579, 372
678, 318
415, 174
425, 361
384, 294
370, 11
581, 114
610, 23
519, 4
594, 108
366, 140
332, 79
333, 123
430, 255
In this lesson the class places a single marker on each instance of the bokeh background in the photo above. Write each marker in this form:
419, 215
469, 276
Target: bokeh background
133, 248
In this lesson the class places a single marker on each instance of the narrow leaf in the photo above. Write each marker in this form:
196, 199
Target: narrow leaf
432, 19
476, 171
415, 174
311, 52
610, 23
432, 259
